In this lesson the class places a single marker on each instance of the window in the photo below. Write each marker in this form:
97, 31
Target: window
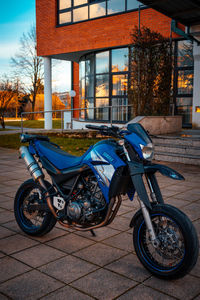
97, 10
116, 6
72, 11
104, 82
65, 4
183, 80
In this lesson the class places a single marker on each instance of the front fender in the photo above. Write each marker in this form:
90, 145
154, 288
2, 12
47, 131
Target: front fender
164, 170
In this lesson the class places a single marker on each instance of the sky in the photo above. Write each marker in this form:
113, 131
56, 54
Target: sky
16, 18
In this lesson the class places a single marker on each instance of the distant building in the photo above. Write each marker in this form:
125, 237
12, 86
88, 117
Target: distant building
95, 36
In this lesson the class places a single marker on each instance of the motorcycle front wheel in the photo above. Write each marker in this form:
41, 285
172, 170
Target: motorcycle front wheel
177, 250
32, 221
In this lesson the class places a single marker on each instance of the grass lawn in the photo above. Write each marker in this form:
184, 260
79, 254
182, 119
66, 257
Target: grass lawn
34, 123
75, 146
1, 129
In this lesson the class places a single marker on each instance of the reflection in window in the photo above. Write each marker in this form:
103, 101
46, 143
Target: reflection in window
80, 14
97, 10
185, 82
119, 109
120, 60
89, 65
79, 2
102, 113
65, 17
115, 6
89, 88
82, 69
102, 85
89, 104
185, 55
120, 84
132, 4
186, 112
102, 62
64, 4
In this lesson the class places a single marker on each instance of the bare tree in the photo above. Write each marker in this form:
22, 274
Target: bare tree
9, 91
29, 66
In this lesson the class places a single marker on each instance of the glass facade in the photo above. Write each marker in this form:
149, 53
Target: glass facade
183, 80
73, 11
103, 80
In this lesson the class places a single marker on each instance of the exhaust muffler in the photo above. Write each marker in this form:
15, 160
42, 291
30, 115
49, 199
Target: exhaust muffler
31, 163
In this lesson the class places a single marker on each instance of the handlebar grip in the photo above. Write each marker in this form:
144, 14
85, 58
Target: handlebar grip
93, 127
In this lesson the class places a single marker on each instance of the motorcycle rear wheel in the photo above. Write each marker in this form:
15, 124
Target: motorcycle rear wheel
32, 222
178, 248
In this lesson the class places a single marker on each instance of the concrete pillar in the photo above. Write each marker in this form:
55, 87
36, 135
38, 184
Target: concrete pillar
196, 86
47, 93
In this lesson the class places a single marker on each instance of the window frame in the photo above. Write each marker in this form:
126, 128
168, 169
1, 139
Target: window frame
88, 4
110, 74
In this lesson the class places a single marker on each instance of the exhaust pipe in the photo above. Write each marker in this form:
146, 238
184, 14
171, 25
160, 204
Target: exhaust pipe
31, 163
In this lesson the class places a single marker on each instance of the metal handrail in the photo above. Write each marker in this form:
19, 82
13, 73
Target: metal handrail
72, 110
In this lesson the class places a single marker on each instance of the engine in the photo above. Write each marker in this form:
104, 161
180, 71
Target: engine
88, 203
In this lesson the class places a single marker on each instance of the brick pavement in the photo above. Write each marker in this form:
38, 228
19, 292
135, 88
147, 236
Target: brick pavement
66, 264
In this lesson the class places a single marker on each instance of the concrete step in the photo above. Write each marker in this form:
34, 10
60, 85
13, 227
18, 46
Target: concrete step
174, 157
194, 142
177, 149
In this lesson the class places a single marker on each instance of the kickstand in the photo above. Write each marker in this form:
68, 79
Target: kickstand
92, 232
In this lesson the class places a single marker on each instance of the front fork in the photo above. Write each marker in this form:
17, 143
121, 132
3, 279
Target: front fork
136, 172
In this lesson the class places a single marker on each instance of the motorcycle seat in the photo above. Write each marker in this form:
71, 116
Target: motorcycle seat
59, 158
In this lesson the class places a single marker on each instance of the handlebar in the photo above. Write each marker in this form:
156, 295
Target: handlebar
105, 130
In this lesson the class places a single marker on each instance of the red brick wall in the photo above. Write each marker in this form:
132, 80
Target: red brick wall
95, 34
90, 35
76, 88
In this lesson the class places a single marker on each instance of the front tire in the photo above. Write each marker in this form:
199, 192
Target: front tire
178, 248
32, 222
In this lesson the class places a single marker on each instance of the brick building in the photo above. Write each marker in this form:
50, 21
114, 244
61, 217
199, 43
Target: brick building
95, 36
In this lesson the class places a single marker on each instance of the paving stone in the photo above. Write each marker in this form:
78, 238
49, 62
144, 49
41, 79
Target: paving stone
120, 223
183, 288
15, 243
70, 243
179, 203
144, 293
104, 284
2, 297
68, 268
122, 241
6, 216
101, 233
31, 285
196, 270
7, 205
10, 268
4, 198
68, 293
130, 267
4, 232
12, 225
188, 196
53, 234
38, 255
192, 211
100, 254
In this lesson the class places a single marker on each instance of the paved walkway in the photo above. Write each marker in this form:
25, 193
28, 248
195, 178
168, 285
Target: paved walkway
66, 264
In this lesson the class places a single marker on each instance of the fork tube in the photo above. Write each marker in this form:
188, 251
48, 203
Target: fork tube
148, 223
152, 194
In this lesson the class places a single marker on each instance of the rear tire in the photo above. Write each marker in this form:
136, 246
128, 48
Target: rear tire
34, 223
178, 248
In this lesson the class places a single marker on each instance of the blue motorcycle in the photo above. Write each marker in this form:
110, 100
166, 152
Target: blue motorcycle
85, 194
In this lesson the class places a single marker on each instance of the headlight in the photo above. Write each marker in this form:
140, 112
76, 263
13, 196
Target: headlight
147, 151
